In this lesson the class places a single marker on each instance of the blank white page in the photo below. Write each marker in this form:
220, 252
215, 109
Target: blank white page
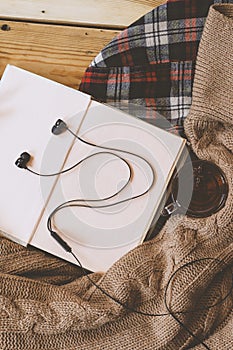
29, 106
100, 236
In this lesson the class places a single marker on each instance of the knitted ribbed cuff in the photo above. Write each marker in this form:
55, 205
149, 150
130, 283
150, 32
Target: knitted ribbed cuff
211, 112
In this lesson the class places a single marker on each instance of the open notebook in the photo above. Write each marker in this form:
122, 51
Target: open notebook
29, 107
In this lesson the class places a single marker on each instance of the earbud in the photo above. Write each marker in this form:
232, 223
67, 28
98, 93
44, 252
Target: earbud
22, 161
59, 127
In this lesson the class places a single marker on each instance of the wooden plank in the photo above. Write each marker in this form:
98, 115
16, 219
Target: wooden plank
101, 13
61, 53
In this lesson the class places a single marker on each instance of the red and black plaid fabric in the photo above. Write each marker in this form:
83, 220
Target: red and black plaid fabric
152, 62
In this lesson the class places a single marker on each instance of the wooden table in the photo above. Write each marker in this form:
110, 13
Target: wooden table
59, 38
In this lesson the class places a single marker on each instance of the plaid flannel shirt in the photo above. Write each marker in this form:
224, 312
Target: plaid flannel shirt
152, 62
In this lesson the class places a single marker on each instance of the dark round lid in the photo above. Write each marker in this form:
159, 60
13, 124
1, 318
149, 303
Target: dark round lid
200, 189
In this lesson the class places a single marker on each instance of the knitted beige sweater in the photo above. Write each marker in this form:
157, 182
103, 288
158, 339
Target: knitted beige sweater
45, 304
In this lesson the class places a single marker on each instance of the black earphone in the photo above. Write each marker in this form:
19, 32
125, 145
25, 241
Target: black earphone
23, 160
58, 128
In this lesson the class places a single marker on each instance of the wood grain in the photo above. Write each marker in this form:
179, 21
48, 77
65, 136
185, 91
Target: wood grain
60, 53
101, 13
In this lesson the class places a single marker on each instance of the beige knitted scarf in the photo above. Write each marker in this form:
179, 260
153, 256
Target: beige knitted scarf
183, 273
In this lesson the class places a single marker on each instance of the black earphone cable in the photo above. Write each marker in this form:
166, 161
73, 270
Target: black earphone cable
59, 127
77, 164
73, 202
